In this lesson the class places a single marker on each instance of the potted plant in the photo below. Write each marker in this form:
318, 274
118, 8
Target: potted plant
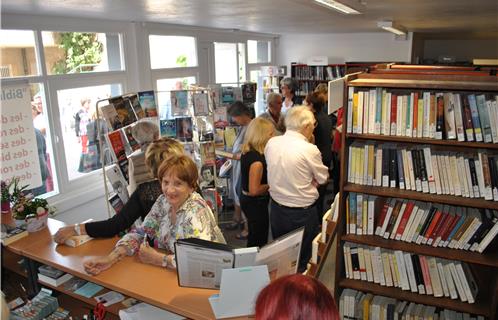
25, 208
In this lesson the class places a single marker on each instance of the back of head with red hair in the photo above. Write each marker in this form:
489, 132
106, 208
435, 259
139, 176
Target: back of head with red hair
296, 297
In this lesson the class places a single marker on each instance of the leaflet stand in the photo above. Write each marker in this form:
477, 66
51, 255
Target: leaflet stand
233, 302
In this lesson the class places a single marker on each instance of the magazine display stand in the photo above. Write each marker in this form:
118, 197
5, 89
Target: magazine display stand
189, 119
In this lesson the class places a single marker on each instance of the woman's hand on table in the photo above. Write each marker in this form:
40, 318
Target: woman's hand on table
64, 233
97, 265
149, 255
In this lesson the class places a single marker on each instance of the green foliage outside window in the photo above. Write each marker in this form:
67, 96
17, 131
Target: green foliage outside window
82, 52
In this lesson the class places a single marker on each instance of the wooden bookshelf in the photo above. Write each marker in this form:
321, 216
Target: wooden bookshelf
428, 197
452, 254
479, 308
308, 77
483, 265
453, 144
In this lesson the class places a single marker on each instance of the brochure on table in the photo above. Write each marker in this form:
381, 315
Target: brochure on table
233, 302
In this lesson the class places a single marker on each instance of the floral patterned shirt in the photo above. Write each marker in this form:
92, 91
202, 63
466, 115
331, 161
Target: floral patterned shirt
194, 219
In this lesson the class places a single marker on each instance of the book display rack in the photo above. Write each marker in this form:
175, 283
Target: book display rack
418, 210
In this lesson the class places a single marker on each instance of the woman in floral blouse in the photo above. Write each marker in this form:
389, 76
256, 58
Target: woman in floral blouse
178, 213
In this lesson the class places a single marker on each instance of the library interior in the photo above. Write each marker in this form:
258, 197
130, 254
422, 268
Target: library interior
285, 159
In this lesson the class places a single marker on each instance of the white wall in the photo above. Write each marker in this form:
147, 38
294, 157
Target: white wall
343, 47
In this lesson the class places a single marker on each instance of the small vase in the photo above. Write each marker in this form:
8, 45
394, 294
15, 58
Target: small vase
37, 223
5, 206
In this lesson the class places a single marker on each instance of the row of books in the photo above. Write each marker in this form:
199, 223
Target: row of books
127, 109
421, 222
357, 305
423, 114
424, 169
303, 72
410, 272
304, 88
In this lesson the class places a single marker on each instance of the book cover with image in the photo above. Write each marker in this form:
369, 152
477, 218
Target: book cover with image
132, 143
204, 129
184, 129
211, 197
220, 117
179, 102
111, 117
135, 104
117, 145
201, 107
219, 138
215, 93
207, 153
206, 176
147, 100
249, 92
168, 128
126, 115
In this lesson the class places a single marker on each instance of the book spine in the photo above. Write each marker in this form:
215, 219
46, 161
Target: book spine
484, 118
394, 113
475, 117
458, 117
467, 119
440, 115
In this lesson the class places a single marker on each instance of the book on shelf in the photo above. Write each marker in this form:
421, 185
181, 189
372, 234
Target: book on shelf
220, 117
355, 304
410, 272
117, 181
249, 92
231, 94
116, 203
147, 101
11, 234
281, 257
423, 114
428, 169
111, 117
55, 281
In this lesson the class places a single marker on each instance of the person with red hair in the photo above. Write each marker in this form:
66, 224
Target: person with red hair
296, 297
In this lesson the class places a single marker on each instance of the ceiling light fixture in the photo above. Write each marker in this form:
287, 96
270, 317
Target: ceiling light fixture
338, 6
391, 27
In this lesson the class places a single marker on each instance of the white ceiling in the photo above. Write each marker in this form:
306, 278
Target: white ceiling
279, 16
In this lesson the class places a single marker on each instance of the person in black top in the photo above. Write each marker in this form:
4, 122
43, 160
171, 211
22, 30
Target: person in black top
254, 198
323, 141
140, 201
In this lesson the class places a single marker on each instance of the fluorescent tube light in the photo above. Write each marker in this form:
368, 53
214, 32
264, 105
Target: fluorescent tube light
391, 27
338, 6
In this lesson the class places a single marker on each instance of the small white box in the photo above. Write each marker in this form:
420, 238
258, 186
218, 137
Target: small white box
318, 61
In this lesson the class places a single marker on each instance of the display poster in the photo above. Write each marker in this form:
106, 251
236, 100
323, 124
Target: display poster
19, 153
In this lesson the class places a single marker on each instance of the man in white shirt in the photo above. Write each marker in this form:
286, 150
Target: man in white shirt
295, 169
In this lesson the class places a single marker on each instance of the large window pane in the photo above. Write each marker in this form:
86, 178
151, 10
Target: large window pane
230, 63
77, 52
258, 51
163, 96
225, 59
78, 123
172, 52
17, 52
44, 142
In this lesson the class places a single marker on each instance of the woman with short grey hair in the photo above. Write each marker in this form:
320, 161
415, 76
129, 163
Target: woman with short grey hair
288, 87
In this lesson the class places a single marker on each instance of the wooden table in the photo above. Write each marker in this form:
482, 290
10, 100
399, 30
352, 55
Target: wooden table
154, 285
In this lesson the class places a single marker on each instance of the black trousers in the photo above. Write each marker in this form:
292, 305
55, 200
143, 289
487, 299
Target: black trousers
256, 211
284, 220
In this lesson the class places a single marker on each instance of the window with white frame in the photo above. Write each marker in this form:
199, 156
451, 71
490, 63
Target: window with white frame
258, 51
59, 61
230, 63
